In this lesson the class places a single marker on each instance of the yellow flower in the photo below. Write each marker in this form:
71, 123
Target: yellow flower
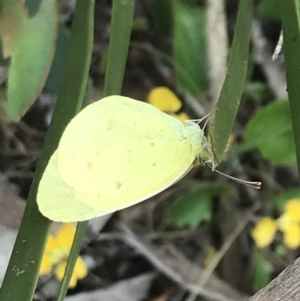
165, 100
182, 116
284, 222
291, 237
79, 272
288, 223
292, 208
56, 255
264, 232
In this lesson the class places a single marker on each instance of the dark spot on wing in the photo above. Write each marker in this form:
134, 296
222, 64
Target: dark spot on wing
110, 125
118, 185
89, 165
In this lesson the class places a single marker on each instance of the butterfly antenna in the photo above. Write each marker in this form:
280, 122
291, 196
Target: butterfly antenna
255, 184
206, 118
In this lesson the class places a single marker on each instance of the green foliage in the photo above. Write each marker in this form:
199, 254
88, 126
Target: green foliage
270, 130
256, 91
189, 43
139, 24
104, 58
162, 16
26, 257
59, 61
192, 209
233, 87
281, 199
262, 270
4, 62
270, 9
290, 12
30, 43
33, 6
121, 26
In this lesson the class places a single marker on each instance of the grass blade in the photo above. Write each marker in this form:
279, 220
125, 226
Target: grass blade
231, 93
23, 268
121, 26
290, 11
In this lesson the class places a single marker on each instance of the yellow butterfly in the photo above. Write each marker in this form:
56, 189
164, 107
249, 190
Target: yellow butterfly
116, 153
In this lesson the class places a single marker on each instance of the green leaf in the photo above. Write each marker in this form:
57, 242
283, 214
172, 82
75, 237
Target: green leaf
32, 236
270, 130
194, 208
281, 199
30, 42
190, 47
290, 11
270, 9
104, 58
122, 19
4, 62
234, 83
262, 270
59, 61
72, 259
257, 91
121, 26
162, 16
139, 24
32, 6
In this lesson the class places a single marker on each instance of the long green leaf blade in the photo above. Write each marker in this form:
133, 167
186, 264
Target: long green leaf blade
189, 43
121, 25
234, 83
118, 50
30, 41
290, 10
23, 268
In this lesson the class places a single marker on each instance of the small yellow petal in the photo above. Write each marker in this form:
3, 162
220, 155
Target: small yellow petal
164, 99
46, 265
52, 244
65, 235
264, 232
284, 222
79, 272
80, 268
292, 208
182, 116
73, 281
49, 258
60, 270
291, 237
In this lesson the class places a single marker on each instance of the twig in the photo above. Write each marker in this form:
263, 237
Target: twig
217, 46
180, 270
263, 56
204, 276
